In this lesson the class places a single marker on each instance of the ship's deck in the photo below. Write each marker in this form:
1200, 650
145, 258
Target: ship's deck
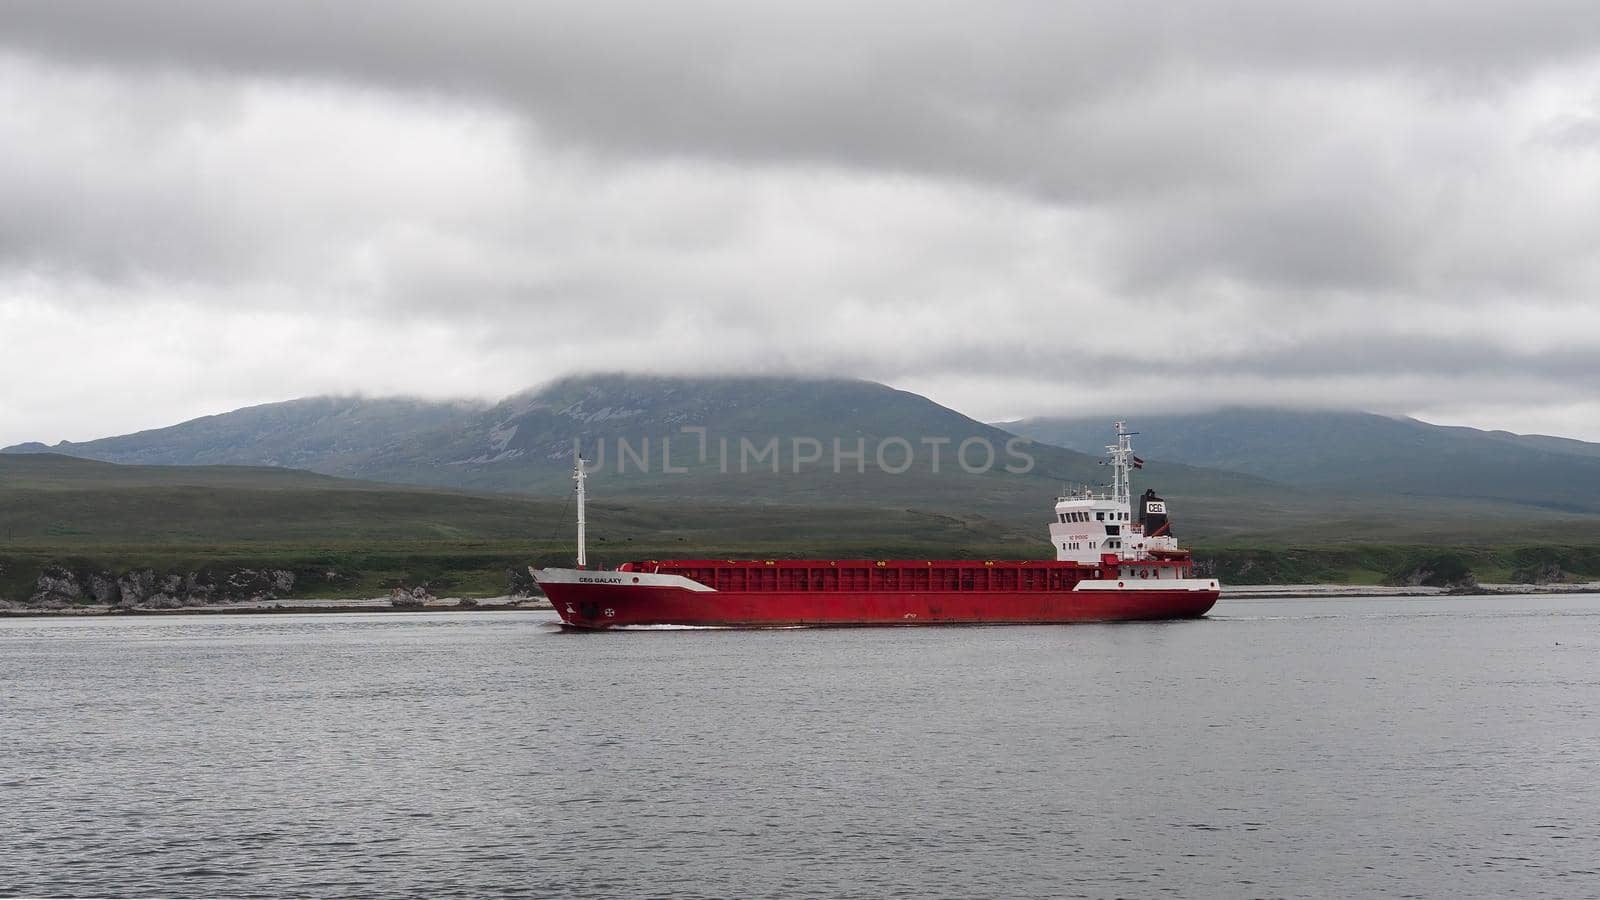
856, 575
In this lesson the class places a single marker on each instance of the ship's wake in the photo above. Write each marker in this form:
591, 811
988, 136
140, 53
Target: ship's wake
668, 628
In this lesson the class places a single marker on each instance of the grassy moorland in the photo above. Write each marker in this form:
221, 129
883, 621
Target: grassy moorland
1439, 564
351, 538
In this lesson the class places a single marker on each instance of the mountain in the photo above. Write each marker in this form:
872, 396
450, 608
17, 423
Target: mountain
1568, 446
523, 441
1361, 452
347, 436
766, 440
770, 442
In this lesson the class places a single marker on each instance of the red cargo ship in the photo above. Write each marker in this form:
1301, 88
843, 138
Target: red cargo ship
1110, 565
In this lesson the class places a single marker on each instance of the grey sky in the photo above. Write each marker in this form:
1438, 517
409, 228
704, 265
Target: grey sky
1017, 209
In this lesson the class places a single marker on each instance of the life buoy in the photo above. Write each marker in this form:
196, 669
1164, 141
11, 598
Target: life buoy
1144, 573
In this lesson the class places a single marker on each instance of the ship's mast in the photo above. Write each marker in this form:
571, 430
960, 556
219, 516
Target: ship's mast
579, 476
1121, 454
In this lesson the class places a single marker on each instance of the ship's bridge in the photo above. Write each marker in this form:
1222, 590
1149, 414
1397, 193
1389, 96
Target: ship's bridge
1089, 524
1092, 522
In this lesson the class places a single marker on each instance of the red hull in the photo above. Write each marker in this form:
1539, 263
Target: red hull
612, 605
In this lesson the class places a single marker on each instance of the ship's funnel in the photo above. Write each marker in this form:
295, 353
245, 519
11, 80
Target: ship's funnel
1153, 515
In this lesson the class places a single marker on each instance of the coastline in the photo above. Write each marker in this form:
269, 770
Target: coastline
1343, 591
277, 607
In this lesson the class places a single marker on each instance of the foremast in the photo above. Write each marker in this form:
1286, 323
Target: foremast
579, 476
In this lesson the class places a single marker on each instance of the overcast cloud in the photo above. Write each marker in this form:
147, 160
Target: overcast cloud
1046, 208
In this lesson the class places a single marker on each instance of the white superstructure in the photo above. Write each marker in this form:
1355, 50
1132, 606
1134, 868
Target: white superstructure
1092, 523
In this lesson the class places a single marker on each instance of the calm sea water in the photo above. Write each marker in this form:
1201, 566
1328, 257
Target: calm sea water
1419, 747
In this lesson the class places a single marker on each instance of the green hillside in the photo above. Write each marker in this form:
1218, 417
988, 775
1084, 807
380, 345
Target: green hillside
49, 501
350, 538
46, 498
482, 489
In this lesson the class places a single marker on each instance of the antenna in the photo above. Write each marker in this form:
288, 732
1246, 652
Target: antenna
1121, 454
579, 475
1125, 437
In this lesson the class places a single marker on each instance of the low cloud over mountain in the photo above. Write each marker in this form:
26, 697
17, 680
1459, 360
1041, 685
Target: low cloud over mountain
1052, 208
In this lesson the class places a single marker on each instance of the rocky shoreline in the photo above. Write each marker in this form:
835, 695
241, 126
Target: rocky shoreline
64, 591
295, 606
59, 587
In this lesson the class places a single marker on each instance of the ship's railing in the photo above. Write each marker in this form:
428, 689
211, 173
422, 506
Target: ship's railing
884, 576
1085, 495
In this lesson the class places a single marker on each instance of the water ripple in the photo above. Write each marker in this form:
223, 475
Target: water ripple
1282, 748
